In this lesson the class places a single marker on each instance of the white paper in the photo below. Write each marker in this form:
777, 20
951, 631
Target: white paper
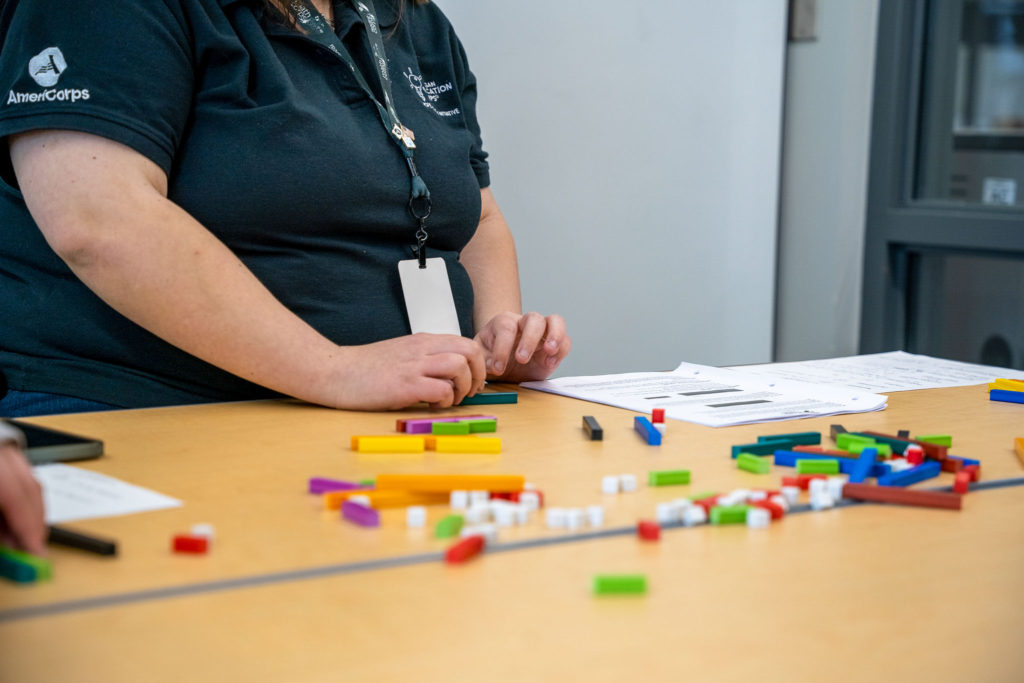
71, 493
891, 371
716, 397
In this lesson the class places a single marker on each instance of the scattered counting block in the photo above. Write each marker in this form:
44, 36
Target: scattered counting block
822, 500
477, 513
658, 416
463, 444
791, 494
319, 485
666, 513
834, 486
668, 478
940, 439
448, 527
204, 530
458, 500
450, 428
447, 483
360, 514
424, 425
914, 454
694, 515
592, 428
932, 450
574, 519
962, 482
1007, 384
627, 483
383, 499
862, 468
899, 464
758, 517
847, 439
490, 397
1006, 396
734, 497
531, 500
776, 509
555, 518
902, 496
796, 438
817, 466
884, 450
609, 484
187, 543
481, 425
17, 560
595, 515
16, 571
403, 443
756, 464
619, 584
922, 472
648, 531
645, 429
416, 517
465, 550
729, 514
488, 531
761, 447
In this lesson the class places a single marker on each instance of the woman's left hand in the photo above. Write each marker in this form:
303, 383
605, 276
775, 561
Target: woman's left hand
522, 347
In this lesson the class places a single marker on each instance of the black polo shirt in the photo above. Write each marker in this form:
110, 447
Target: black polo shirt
267, 140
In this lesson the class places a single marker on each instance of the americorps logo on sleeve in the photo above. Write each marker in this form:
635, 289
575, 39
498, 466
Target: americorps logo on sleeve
46, 68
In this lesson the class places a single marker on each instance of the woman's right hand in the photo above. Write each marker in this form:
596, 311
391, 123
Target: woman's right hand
22, 522
438, 369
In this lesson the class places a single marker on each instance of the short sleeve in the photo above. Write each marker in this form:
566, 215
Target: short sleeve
116, 68
477, 155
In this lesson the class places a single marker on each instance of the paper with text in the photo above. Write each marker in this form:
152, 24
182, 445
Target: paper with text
716, 397
71, 493
891, 371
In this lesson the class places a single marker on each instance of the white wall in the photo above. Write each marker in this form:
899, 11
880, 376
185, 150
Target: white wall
824, 183
635, 152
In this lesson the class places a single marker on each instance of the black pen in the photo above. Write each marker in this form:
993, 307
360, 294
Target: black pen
73, 539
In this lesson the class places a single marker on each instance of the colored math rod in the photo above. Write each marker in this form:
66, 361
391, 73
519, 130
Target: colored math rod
490, 397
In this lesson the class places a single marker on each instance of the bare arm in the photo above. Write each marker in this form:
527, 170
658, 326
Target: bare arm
518, 347
147, 258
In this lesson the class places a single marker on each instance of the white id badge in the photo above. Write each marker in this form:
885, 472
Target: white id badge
428, 297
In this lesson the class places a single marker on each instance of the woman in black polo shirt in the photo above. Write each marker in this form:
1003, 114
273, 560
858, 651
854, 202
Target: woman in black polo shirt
208, 200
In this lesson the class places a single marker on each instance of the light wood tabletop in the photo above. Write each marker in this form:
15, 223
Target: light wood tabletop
290, 592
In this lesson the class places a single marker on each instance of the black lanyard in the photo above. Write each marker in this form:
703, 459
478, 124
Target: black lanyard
319, 30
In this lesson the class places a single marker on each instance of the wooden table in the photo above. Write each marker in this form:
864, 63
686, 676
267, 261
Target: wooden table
292, 593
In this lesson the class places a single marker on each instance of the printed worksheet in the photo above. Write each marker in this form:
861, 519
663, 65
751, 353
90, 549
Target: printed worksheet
716, 397
72, 493
892, 371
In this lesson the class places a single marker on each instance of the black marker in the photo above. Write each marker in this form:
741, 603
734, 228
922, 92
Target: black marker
73, 539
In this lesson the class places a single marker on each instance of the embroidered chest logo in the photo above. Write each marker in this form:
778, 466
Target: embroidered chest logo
430, 92
46, 68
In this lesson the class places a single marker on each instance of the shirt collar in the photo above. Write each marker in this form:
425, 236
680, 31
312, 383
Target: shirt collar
387, 10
